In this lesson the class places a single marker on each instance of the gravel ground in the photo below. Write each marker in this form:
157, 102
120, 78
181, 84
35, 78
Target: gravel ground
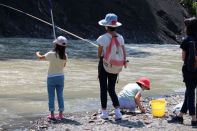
90, 121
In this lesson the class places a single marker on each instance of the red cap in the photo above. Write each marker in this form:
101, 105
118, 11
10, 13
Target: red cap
144, 81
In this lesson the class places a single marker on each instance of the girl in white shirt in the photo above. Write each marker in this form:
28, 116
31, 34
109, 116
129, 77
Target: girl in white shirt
55, 80
108, 80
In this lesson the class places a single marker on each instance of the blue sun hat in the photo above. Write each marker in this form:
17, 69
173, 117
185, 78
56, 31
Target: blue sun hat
110, 20
61, 40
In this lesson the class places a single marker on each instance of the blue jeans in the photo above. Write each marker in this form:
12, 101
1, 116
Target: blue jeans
55, 83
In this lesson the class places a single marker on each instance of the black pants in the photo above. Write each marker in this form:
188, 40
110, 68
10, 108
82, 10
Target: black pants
107, 84
189, 101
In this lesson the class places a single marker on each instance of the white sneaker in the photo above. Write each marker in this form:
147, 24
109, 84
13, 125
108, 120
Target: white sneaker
104, 115
118, 114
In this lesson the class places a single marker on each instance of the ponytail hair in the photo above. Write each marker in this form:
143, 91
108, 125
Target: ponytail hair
60, 50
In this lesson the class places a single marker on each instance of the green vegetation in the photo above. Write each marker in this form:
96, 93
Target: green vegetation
191, 5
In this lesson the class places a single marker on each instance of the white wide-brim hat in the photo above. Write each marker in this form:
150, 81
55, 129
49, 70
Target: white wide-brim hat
61, 40
110, 20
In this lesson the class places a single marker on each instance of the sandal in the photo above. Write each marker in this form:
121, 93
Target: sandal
51, 117
59, 116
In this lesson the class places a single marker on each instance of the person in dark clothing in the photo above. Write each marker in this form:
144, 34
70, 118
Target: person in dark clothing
189, 77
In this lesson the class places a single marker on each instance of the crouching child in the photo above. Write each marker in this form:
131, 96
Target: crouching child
129, 97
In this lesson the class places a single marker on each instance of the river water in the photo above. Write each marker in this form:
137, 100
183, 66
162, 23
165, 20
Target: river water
23, 91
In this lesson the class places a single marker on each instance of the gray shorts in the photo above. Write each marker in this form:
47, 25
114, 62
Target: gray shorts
127, 104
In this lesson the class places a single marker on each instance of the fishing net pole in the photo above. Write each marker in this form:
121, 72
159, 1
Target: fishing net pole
43, 21
51, 10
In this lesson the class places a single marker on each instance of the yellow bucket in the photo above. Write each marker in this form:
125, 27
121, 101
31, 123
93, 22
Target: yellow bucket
158, 107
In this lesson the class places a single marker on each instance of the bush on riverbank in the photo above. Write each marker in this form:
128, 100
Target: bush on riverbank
191, 5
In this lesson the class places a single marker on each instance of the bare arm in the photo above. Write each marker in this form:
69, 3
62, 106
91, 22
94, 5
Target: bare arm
125, 55
41, 57
66, 60
137, 101
124, 51
100, 49
183, 55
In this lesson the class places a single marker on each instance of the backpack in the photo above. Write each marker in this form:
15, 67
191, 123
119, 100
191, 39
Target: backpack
114, 57
192, 57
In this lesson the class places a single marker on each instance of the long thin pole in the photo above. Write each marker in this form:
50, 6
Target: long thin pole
196, 87
54, 35
51, 10
88, 41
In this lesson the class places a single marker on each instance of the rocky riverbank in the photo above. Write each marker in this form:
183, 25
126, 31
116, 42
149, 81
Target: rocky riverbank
131, 121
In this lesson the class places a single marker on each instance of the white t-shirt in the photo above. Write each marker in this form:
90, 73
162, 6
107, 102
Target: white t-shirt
104, 40
56, 65
129, 91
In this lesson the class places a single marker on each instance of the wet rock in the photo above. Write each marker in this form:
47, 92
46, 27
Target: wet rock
91, 121
95, 114
43, 126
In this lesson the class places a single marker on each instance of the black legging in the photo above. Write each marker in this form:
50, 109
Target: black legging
107, 83
189, 101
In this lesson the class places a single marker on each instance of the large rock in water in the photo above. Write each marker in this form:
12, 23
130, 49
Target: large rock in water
144, 21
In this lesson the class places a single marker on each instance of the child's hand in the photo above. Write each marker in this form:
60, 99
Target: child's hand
42, 57
143, 110
125, 63
37, 53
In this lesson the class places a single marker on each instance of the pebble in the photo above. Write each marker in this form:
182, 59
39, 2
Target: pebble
91, 121
95, 114
148, 126
43, 126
